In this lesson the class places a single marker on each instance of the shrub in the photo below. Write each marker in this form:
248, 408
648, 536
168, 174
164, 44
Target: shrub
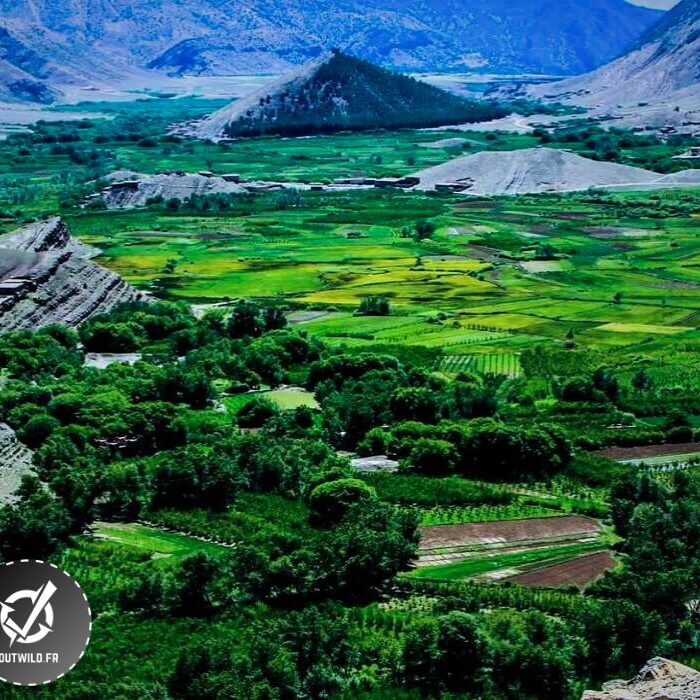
256, 413
331, 501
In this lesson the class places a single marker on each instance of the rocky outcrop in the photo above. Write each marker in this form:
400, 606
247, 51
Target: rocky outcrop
48, 235
46, 277
660, 679
15, 460
137, 190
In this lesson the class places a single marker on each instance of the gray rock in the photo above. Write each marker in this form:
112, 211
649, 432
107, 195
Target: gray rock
48, 277
139, 189
528, 170
660, 679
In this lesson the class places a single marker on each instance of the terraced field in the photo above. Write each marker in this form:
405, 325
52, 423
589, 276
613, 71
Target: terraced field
496, 550
474, 290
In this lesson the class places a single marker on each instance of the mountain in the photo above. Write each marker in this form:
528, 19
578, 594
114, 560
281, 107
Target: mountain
96, 40
559, 37
663, 68
527, 171
23, 72
339, 92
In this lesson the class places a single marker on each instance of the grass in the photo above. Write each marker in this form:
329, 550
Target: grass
476, 566
291, 398
163, 544
483, 514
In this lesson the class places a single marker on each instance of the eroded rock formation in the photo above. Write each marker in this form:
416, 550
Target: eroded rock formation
46, 277
660, 679
135, 189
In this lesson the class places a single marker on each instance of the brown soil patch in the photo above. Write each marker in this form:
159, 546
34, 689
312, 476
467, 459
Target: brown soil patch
642, 451
445, 536
581, 571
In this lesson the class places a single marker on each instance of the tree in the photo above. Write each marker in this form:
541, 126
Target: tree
425, 229
274, 319
256, 413
192, 586
37, 430
330, 502
433, 457
374, 306
111, 337
195, 477
642, 381
450, 652
419, 404
34, 527
245, 320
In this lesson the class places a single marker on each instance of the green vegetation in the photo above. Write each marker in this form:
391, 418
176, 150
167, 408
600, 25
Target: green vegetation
160, 543
347, 93
205, 496
474, 566
269, 536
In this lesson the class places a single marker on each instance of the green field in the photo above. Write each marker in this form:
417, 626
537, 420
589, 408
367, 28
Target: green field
161, 544
475, 566
443, 293
492, 348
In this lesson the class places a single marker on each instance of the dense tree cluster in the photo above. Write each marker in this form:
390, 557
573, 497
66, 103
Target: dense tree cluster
298, 547
346, 93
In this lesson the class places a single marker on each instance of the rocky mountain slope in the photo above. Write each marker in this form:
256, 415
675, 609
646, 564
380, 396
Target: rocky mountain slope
100, 40
136, 190
528, 170
340, 92
15, 460
660, 679
47, 277
660, 74
24, 74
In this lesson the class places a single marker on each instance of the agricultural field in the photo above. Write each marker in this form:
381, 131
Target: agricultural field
462, 293
580, 571
160, 544
546, 552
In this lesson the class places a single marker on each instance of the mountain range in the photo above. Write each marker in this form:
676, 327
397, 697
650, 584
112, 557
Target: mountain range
660, 74
46, 44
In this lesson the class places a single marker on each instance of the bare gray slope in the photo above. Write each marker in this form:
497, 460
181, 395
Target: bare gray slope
213, 126
662, 70
529, 170
137, 190
48, 277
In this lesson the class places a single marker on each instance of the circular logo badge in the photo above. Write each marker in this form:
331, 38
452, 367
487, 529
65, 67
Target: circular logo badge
45, 622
